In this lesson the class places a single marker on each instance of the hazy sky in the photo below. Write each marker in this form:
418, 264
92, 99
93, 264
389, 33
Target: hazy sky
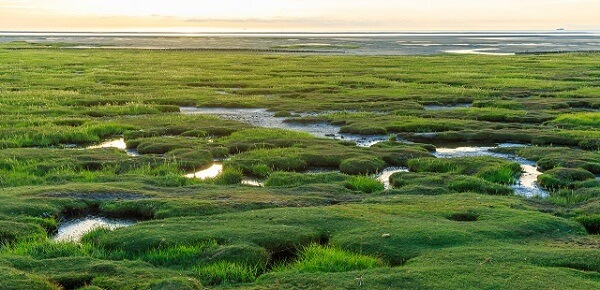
298, 15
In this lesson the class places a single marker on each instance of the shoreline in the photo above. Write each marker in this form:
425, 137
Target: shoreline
300, 51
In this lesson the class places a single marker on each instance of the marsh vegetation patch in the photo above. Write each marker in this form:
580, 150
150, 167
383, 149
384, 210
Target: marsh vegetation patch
325, 215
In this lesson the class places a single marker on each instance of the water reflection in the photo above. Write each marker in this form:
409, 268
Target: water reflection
527, 184
73, 230
210, 172
384, 175
116, 143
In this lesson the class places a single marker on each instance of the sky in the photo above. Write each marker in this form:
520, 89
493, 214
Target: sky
297, 15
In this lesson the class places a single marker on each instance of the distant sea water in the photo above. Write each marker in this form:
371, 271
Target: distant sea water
495, 43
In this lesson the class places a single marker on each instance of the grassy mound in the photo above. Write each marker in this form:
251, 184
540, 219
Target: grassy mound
362, 165
441, 183
488, 168
563, 177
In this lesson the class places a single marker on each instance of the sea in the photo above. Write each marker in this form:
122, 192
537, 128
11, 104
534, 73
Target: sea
379, 43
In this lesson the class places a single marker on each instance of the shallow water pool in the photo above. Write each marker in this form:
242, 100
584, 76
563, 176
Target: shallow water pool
74, 229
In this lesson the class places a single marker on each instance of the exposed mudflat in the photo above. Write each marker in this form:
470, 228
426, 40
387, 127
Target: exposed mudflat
359, 43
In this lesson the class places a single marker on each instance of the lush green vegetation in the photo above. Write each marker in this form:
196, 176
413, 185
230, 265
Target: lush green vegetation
322, 219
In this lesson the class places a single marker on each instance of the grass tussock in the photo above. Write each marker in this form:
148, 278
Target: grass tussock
226, 273
364, 184
579, 120
491, 169
325, 259
184, 256
46, 249
443, 183
561, 177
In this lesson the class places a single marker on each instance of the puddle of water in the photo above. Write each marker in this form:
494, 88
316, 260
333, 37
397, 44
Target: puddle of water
211, 172
453, 107
466, 151
266, 119
116, 143
74, 230
384, 175
462, 152
527, 184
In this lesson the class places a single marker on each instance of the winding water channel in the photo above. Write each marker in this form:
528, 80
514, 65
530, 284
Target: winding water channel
526, 186
266, 119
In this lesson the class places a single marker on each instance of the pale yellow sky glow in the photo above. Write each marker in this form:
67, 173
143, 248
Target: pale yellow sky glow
297, 15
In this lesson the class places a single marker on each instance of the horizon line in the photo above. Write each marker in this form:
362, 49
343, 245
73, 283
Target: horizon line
557, 30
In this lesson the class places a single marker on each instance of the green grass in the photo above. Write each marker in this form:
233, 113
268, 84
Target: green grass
182, 255
586, 139
488, 168
226, 273
591, 223
443, 183
46, 249
579, 120
364, 184
229, 176
315, 258
475, 267
291, 179
550, 157
12, 279
449, 224
361, 165
560, 177
301, 155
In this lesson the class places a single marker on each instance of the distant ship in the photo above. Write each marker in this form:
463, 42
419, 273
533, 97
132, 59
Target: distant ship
560, 29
